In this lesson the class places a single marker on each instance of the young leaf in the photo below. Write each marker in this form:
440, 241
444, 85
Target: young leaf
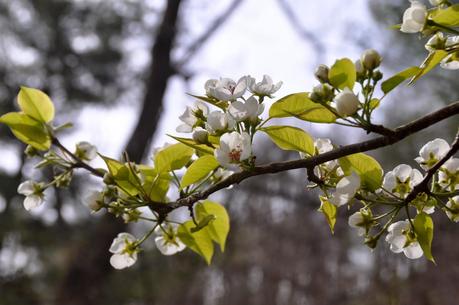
200, 241
156, 184
123, 176
447, 17
392, 82
429, 63
290, 138
36, 104
369, 170
423, 227
202, 148
27, 130
217, 229
300, 106
342, 74
204, 222
198, 170
173, 157
329, 210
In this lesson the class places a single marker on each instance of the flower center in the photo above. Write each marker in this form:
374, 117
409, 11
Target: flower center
235, 155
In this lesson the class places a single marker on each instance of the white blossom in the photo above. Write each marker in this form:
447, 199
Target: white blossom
218, 121
167, 240
248, 110
453, 208
33, 192
345, 189
124, 251
191, 116
401, 180
362, 221
346, 102
226, 89
86, 151
432, 152
436, 42
234, 148
414, 18
402, 239
94, 201
321, 73
264, 88
448, 176
451, 62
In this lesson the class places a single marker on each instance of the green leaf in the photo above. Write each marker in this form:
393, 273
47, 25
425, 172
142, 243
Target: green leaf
290, 138
200, 241
202, 148
156, 184
198, 170
203, 223
374, 103
366, 167
342, 74
36, 104
173, 157
123, 176
392, 82
429, 63
217, 229
300, 106
220, 104
27, 130
329, 210
423, 227
447, 17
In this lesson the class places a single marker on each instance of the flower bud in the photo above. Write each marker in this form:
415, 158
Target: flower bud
201, 136
322, 93
347, 103
436, 42
370, 59
321, 74
108, 179
377, 76
358, 67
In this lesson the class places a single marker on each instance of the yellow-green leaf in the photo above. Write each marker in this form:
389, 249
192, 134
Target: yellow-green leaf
329, 210
447, 17
36, 104
202, 148
366, 167
423, 227
27, 130
300, 106
173, 157
219, 227
392, 82
429, 63
198, 170
290, 138
200, 241
123, 176
342, 74
156, 184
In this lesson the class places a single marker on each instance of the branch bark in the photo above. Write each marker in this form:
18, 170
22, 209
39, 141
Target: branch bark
398, 134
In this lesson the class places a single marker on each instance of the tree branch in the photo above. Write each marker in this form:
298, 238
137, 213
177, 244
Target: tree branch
423, 186
399, 134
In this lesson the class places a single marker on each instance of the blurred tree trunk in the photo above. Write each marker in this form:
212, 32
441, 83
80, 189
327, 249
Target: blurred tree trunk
89, 268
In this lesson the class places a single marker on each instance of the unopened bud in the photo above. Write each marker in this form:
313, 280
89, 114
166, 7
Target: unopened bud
377, 76
370, 59
321, 74
201, 136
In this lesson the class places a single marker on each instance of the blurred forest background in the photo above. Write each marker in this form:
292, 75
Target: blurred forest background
120, 70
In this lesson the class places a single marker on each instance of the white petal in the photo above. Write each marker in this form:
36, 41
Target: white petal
121, 261
26, 188
169, 248
32, 201
413, 251
402, 172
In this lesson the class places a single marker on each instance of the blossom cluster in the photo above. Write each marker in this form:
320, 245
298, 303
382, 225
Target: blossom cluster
234, 123
417, 19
